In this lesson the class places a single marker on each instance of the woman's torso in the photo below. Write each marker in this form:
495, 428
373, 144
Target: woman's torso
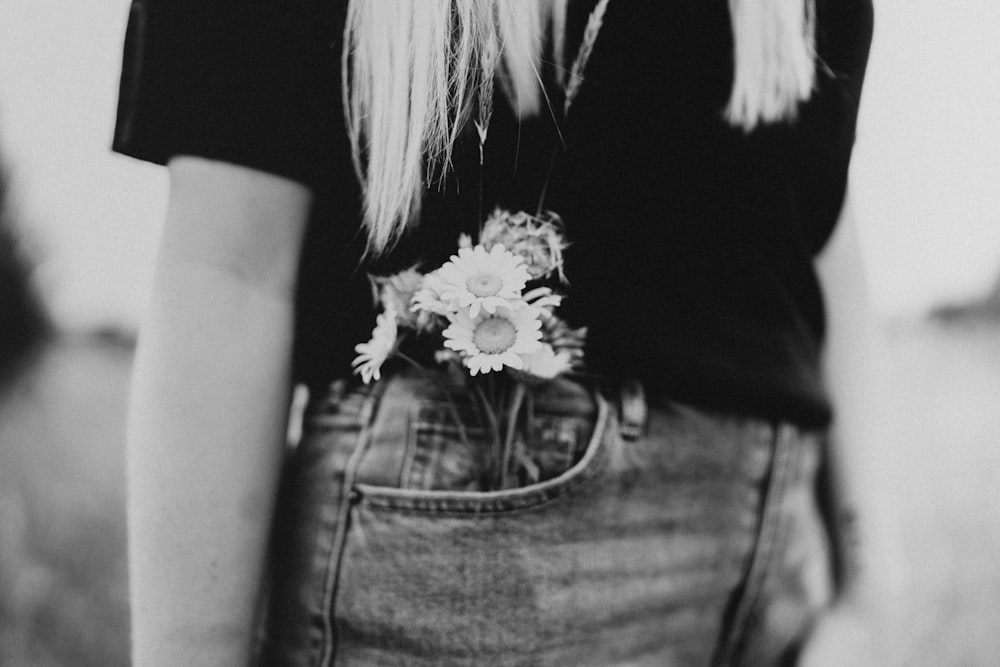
692, 243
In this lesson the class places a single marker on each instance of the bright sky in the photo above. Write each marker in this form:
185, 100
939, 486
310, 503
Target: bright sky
926, 171
926, 177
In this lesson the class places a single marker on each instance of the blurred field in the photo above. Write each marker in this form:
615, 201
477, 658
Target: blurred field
62, 569
62, 537
947, 448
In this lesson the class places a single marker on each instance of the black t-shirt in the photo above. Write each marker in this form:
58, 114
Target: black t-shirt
692, 242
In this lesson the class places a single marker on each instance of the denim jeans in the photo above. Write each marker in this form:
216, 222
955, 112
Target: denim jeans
671, 536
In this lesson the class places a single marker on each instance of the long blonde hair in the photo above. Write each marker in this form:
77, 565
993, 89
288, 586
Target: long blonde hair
416, 71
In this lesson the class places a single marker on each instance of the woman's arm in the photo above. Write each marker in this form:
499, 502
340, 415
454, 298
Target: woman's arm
860, 455
208, 411
859, 461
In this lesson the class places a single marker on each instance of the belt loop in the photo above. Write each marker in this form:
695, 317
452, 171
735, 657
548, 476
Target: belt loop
633, 410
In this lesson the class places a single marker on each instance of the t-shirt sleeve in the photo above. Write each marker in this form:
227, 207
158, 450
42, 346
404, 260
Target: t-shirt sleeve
251, 82
826, 132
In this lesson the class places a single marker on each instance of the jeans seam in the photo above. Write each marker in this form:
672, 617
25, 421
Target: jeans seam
328, 648
763, 549
580, 482
410, 449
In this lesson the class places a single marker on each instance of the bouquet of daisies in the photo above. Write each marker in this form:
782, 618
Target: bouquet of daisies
493, 310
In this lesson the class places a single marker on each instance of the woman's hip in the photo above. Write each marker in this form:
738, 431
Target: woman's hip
655, 534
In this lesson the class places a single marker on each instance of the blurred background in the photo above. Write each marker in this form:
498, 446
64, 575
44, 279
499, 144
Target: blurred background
79, 230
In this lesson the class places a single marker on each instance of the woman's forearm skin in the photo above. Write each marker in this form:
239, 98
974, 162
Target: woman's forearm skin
207, 418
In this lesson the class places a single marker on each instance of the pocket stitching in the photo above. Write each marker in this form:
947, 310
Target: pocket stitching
559, 494
762, 553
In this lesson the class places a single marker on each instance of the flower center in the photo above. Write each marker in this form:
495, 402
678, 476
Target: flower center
484, 284
494, 335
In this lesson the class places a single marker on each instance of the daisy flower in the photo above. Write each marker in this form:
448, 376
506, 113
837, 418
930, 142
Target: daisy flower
372, 355
478, 279
429, 297
490, 341
427, 303
546, 363
543, 298
396, 292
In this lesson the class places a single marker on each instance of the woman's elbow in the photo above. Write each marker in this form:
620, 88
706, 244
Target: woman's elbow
237, 222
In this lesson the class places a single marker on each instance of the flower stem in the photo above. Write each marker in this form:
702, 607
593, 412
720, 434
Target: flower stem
448, 397
508, 445
494, 426
529, 414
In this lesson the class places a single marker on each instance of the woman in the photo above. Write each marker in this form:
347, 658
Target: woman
700, 169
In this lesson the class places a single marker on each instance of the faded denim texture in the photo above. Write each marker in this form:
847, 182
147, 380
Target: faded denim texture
685, 538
